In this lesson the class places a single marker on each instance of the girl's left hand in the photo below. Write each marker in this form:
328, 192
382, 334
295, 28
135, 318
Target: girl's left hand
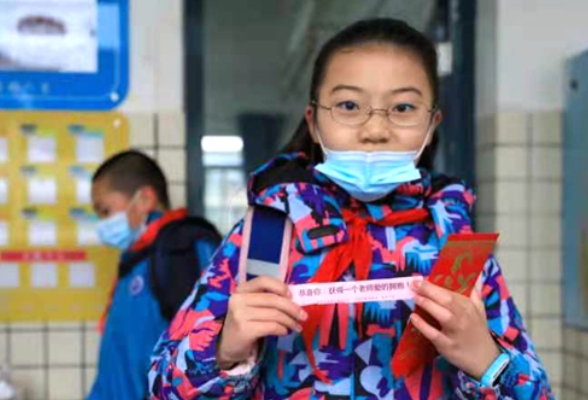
464, 338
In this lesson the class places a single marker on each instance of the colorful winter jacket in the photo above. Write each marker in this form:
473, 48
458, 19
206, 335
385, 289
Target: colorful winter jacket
359, 366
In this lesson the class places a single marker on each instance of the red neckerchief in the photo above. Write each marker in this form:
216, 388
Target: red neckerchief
146, 239
357, 251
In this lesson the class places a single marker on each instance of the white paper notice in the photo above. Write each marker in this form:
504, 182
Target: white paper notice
87, 234
9, 276
4, 233
42, 191
90, 149
42, 149
44, 275
82, 275
84, 190
3, 150
3, 191
42, 233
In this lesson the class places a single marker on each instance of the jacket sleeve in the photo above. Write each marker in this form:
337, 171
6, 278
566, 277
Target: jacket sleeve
525, 377
184, 361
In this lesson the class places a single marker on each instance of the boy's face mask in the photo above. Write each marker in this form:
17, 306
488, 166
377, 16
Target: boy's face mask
116, 231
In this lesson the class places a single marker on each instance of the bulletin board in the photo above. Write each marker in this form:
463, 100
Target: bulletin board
52, 267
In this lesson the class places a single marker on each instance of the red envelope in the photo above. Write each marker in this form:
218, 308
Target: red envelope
458, 267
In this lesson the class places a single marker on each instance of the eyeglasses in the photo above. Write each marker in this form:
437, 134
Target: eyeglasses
404, 114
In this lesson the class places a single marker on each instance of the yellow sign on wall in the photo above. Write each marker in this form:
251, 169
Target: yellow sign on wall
52, 267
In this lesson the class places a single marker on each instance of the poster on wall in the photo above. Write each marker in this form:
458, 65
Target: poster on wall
63, 54
52, 267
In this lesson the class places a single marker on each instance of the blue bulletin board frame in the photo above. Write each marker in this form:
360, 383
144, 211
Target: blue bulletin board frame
575, 191
103, 90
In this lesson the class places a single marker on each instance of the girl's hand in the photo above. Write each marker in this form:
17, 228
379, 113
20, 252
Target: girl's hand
464, 338
259, 308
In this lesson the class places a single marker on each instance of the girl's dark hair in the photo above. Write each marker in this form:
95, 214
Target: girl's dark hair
380, 30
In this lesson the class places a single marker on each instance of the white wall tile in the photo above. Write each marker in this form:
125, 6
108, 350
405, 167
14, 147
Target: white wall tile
32, 381
512, 128
28, 348
546, 299
547, 333
27, 326
169, 64
172, 129
571, 376
546, 163
545, 232
485, 165
173, 163
546, 265
92, 345
89, 377
486, 199
557, 390
553, 362
65, 348
584, 377
485, 222
150, 152
513, 230
572, 340
547, 128
3, 346
583, 347
65, 384
514, 264
546, 197
142, 130
511, 197
569, 394
485, 134
178, 195
520, 294
511, 162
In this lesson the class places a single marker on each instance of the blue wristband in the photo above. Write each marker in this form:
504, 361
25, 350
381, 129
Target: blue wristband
494, 370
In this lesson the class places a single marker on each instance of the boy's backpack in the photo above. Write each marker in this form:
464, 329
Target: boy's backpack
179, 255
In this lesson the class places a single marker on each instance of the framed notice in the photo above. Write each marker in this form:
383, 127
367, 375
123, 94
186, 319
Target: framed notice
63, 54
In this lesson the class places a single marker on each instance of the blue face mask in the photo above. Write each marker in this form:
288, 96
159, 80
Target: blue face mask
369, 176
115, 231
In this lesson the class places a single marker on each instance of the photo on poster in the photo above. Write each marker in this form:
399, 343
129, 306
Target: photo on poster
82, 275
4, 156
87, 234
4, 233
42, 233
90, 148
44, 275
3, 191
9, 276
42, 149
42, 190
49, 36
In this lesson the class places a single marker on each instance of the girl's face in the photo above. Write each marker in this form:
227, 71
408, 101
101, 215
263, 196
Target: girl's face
374, 76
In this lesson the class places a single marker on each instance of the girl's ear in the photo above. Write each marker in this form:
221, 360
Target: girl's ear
309, 115
437, 119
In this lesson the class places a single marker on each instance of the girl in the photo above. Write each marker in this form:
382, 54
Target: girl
360, 210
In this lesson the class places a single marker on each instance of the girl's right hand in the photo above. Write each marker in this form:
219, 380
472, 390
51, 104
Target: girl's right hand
259, 308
